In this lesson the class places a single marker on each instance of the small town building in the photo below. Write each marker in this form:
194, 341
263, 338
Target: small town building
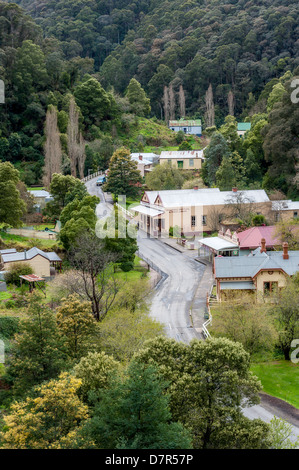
260, 272
188, 126
243, 127
145, 161
41, 198
42, 263
183, 159
285, 210
190, 211
216, 246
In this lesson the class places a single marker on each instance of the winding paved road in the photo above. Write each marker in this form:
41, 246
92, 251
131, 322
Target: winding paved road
172, 301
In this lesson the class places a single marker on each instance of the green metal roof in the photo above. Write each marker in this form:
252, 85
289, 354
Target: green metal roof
244, 126
185, 122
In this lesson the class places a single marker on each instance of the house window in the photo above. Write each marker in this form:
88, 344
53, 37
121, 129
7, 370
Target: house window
295, 215
277, 216
180, 164
191, 162
193, 220
169, 161
185, 129
204, 220
270, 287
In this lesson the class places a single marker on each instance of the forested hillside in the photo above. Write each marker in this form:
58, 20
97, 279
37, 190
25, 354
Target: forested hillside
83, 77
235, 45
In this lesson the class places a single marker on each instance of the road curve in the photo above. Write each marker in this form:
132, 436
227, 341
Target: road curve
171, 302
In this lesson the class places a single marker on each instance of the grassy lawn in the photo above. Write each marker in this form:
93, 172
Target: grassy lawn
5, 295
131, 275
29, 242
43, 226
279, 379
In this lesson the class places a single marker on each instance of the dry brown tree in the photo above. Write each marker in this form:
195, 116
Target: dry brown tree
182, 102
76, 144
171, 102
231, 103
52, 149
166, 104
210, 108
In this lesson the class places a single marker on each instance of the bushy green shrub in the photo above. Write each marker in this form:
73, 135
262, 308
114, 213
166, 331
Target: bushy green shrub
12, 276
8, 326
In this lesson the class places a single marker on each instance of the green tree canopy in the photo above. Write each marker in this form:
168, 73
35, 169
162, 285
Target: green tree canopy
138, 100
124, 178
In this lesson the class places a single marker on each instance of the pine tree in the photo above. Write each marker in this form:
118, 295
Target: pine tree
124, 177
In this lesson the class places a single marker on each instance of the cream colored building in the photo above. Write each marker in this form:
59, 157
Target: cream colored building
192, 211
285, 210
260, 273
145, 161
183, 159
39, 260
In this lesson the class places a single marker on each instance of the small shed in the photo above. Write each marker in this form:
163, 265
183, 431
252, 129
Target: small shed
216, 246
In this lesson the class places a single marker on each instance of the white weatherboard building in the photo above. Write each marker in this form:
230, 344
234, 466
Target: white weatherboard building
188, 126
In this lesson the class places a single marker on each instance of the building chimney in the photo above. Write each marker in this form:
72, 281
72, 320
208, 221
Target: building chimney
25, 254
140, 157
263, 245
195, 188
234, 190
285, 247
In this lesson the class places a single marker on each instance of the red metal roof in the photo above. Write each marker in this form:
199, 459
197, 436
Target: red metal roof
32, 278
251, 238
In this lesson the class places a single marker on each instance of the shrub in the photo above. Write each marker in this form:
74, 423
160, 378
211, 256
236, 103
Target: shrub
8, 326
12, 276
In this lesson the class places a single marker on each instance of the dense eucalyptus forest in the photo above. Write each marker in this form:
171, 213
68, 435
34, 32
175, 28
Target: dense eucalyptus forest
231, 54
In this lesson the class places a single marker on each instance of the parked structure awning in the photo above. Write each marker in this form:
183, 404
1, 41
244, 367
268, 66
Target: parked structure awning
239, 285
147, 211
218, 244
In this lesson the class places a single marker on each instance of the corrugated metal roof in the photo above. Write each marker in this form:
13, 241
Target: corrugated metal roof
8, 251
284, 205
185, 122
40, 193
27, 255
249, 266
217, 243
244, 126
207, 197
147, 211
237, 285
251, 238
175, 154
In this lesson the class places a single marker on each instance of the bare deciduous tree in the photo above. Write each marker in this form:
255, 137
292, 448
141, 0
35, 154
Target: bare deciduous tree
171, 102
231, 103
166, 104
76, 144
94, 267
214, 218
182, 102
53, 152
210, 108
